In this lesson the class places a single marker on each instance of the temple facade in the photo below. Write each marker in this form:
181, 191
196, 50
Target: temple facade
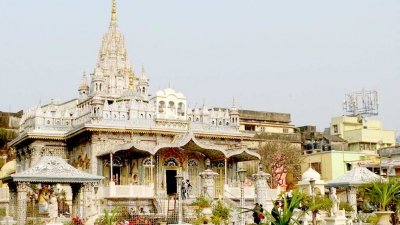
137, 141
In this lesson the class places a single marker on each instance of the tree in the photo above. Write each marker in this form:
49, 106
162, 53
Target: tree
282, 159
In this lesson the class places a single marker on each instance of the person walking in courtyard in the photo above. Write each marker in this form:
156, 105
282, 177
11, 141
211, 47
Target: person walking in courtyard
183, 190
188, 188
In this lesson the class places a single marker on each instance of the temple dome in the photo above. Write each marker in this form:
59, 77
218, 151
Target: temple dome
309, 174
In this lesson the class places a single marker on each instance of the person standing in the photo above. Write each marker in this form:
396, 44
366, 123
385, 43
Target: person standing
188, 188
275, 212
183, 190
256, 211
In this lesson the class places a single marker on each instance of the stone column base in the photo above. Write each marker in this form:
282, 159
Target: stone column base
336, 220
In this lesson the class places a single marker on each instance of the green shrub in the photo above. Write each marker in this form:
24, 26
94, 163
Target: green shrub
346, 207
201, 202
220, 214
372, 219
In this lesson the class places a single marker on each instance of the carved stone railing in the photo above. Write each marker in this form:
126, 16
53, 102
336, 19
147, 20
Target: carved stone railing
127, 191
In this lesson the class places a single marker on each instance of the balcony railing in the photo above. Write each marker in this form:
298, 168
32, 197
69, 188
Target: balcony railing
126, 191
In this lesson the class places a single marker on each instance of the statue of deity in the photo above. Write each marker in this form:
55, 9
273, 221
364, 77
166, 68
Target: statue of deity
335, 201
43, 199
53, 208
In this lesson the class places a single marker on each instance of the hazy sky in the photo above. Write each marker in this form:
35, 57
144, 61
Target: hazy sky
298, 57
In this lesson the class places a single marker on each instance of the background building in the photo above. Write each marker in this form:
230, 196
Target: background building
362, 134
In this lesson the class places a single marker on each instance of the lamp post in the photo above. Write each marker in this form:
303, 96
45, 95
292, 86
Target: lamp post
312, 185
242, 174
179, 179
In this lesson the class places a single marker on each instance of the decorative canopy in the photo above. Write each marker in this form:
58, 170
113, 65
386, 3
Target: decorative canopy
7, 169
53, 169
188, 142
355, 177
243, 155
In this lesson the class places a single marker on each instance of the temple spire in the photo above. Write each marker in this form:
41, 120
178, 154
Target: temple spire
114, 11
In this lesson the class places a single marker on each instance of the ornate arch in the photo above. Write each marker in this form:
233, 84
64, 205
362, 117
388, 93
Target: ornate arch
171, 161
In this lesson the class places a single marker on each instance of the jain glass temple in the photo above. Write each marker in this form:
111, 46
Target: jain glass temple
118, 144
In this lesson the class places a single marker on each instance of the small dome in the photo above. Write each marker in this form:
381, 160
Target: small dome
310, 174
169, 91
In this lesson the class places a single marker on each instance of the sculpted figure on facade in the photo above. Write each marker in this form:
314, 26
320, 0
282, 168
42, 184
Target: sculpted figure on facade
43, 199
53, 208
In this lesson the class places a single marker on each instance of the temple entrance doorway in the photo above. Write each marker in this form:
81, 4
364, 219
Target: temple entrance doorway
171, 182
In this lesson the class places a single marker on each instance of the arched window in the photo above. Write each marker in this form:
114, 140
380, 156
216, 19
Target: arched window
181, 109
161, 107
171, 161
171, 106
147, 162
193, 162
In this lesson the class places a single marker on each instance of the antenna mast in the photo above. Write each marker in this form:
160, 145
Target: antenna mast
361, 103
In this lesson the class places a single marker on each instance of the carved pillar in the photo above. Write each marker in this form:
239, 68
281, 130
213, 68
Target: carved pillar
76, 199
261, 187
13, 200
208, 177
87, 192
226, 171
22, 189
111, 167
93, 158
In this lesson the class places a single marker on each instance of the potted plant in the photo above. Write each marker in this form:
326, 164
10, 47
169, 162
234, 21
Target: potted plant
383, 194
220, 213
317, 203
289, 205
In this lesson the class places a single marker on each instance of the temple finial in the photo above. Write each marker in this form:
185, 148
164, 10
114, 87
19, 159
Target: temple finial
114, 11
233, 103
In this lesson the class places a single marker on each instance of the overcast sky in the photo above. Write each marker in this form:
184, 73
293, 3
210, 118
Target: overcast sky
297, 57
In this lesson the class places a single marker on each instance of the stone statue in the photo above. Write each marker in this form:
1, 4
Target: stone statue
43, 198
53, 209
335, 201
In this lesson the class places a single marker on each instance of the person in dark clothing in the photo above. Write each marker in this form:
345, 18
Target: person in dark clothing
256, 211
261, 214
275, 212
